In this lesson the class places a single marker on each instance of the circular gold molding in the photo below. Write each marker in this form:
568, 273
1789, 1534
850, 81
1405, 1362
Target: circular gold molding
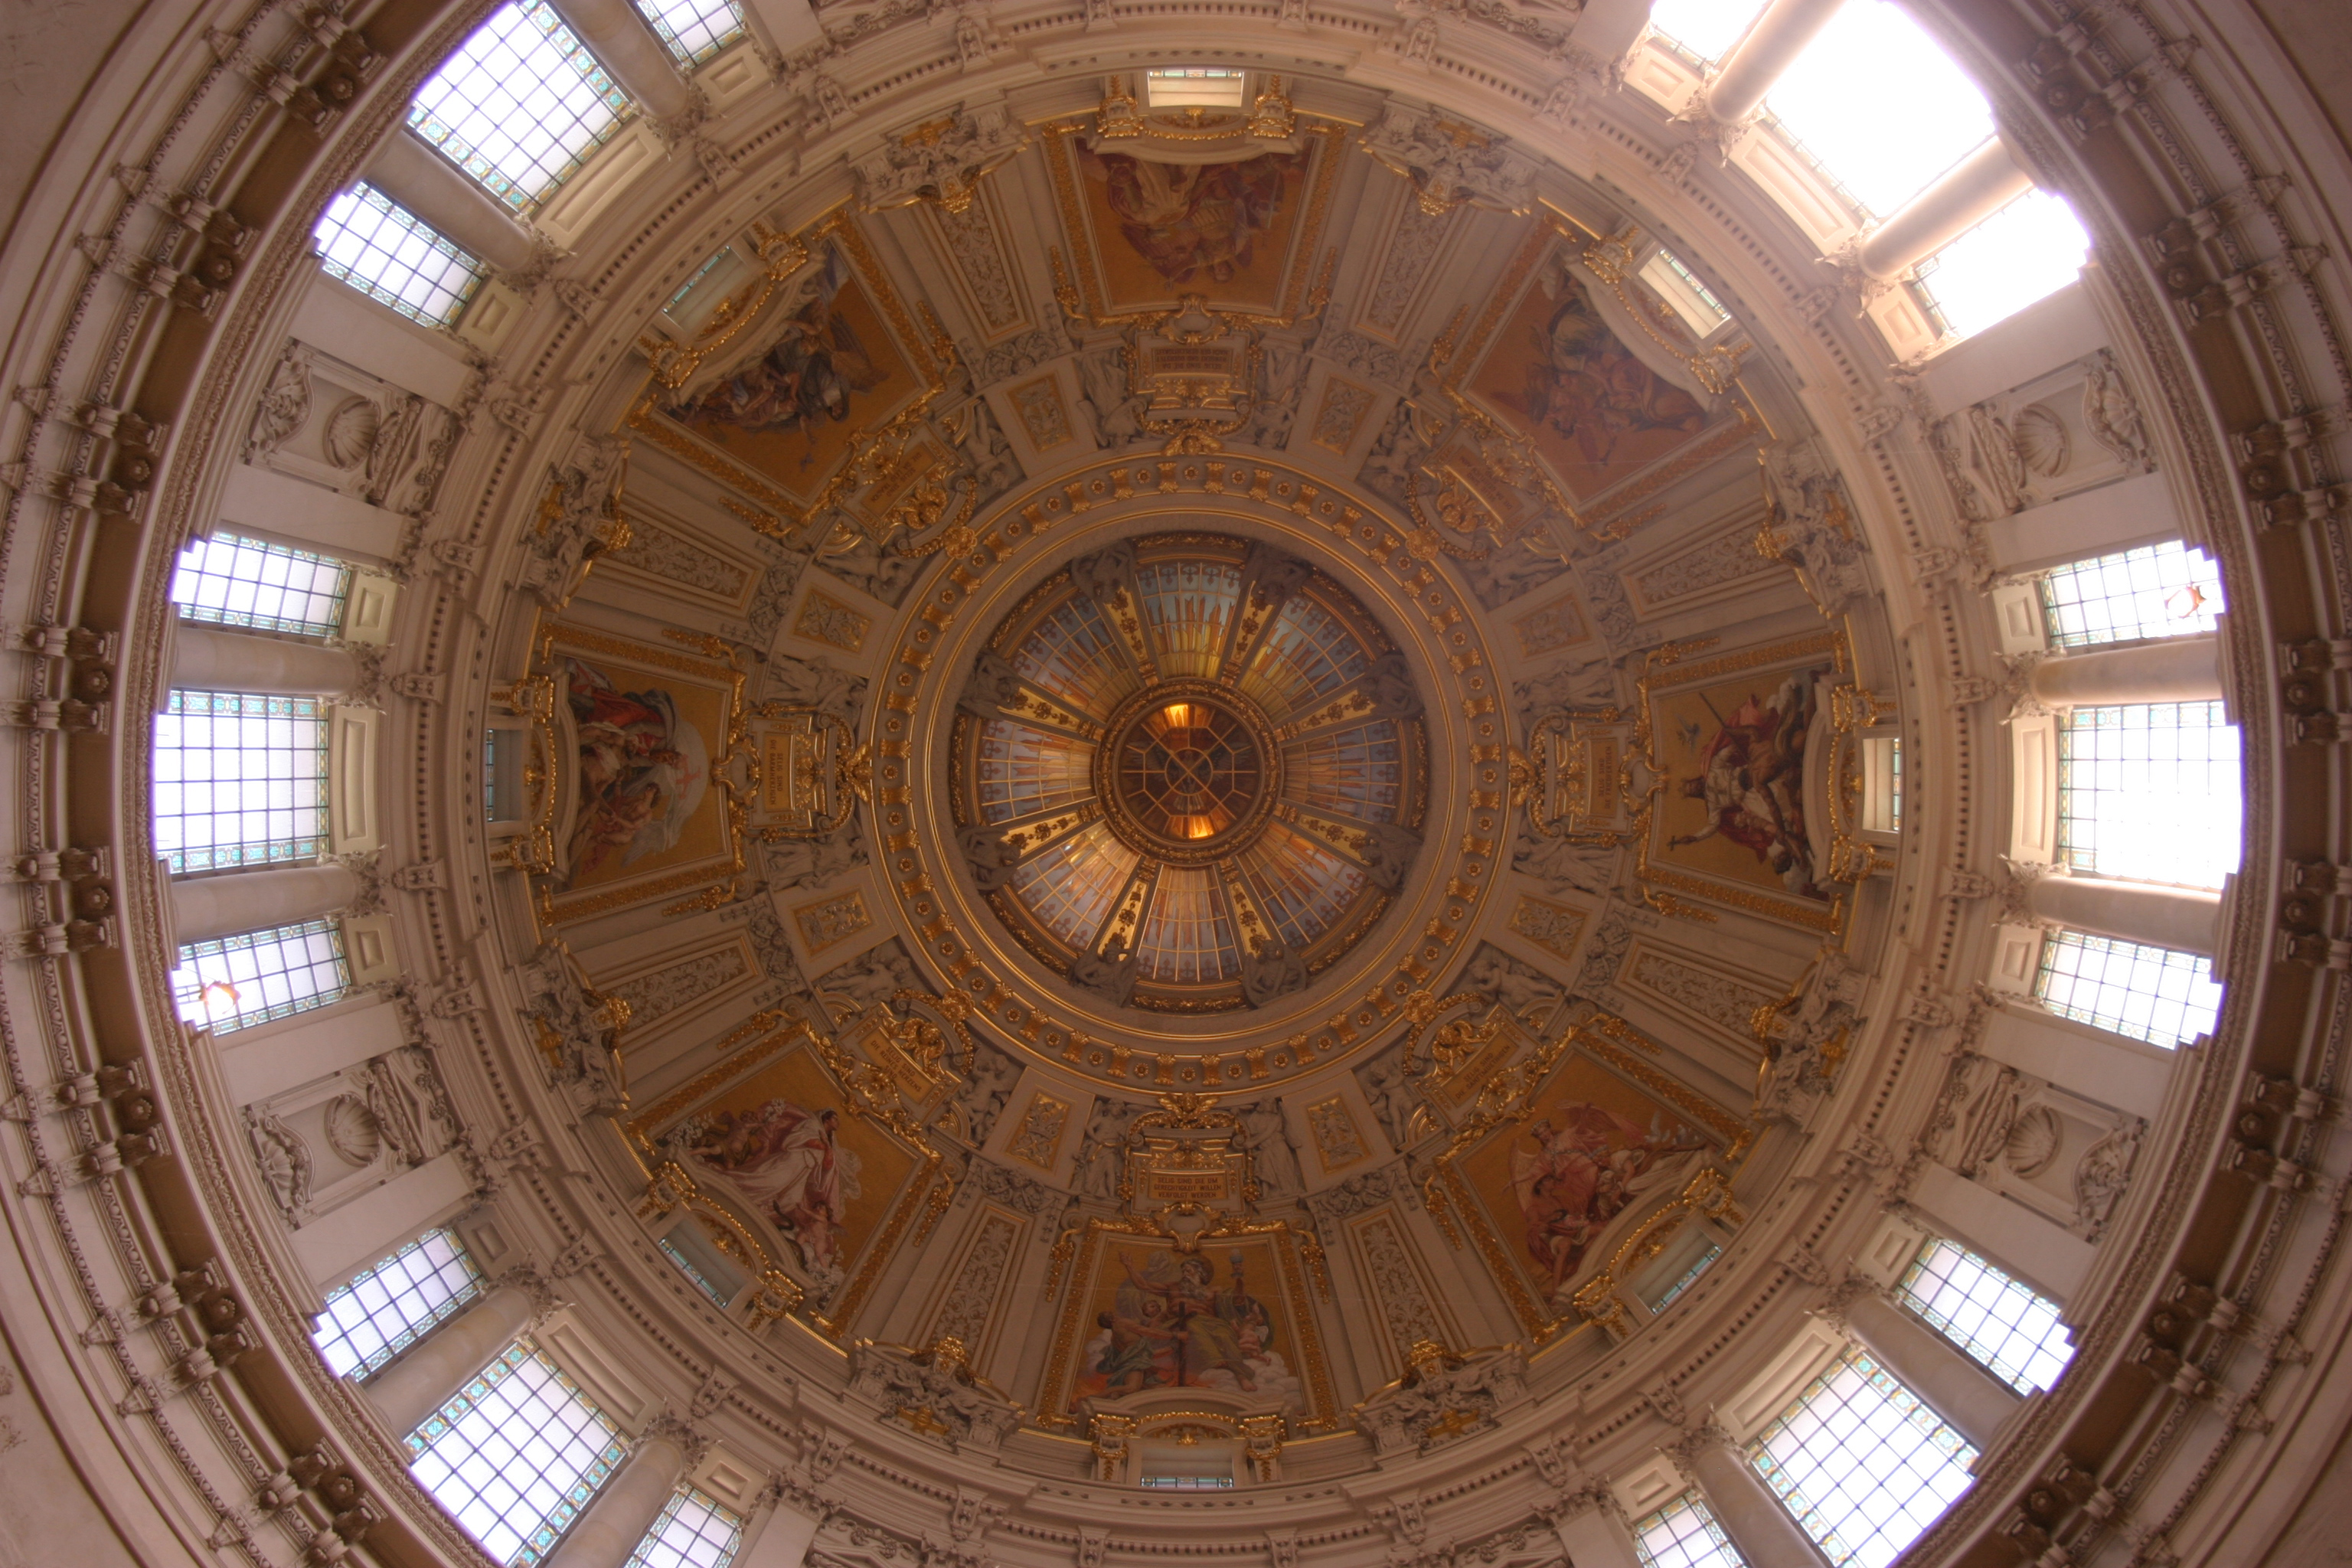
1353, 1003
1200, 758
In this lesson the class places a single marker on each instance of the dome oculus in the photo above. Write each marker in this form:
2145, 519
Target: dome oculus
1189, 774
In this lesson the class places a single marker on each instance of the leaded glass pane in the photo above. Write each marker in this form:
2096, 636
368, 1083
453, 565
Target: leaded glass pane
393, 1303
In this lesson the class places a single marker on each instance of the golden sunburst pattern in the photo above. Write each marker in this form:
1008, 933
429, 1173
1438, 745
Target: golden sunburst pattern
1190, 773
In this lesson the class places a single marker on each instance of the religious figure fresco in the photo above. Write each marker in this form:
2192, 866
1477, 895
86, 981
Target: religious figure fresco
1594, 1155
780, 1149
1580, 1166
1169, 1320
1596, 411
644, 770
787, 1161
1736, 753
789, 407
1216, 230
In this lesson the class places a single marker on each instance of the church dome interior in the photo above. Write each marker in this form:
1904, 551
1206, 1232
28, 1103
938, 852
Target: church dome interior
1077, 783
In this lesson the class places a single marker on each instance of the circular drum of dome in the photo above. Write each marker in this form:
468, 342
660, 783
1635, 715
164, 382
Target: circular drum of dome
1193, 775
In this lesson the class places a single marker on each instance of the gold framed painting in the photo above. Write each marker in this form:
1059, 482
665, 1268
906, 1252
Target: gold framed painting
1603, 1143
783, 408
643, 735
1739, 742
791, 1163
1228, 1314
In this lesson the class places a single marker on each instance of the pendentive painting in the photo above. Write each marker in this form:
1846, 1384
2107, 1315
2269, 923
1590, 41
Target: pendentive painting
1594, 1155
1223, 231
781, 1151
1229, 1317
646, 726
1559, 375
1733, 738
789, 402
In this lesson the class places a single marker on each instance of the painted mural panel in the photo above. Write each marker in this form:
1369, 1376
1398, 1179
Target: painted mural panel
1221, 231
1732, 737
784, 1150
648, 729
1595, 412
791, 403
1230, 1315
1564, 1183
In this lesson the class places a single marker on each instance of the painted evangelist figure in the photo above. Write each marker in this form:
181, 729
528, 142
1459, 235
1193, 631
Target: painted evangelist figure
808, 379
644, 770
786, 1160
1597, 413
1171, 1324
1578, 1167
1745, 769
1194, 223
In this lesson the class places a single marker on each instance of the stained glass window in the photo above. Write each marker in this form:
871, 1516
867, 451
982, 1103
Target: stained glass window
1308, 653
520, 105
693, 30
233, 581
2154, 993
235, 982
1684, 1534
1070, 885
2156, 591
1190, 606
2150, 791
2003, 1323
381, 249
516, 1454
393, 1303
239, 780
1355, 772
1863, 1463
692, 1532
1188, 937
1018, 770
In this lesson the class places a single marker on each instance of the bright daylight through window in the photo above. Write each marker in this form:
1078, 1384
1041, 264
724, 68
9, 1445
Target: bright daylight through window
2156, 591
1684, 1534
692, 1532
521, 105
2151, 994
388, 253
2001, 1322
232, 582
240, 780
1863, 1463
1883, 110
389, 1305
234, 982
516, 1454
2150, 792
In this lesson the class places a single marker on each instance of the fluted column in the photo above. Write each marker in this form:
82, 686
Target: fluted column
204, 659
620, 39
2183, 919
1930, 1366
1756, 62
451, 201
625, 1506
241, 901
2174, 669
1979, 186
422, 1381
1765, 1532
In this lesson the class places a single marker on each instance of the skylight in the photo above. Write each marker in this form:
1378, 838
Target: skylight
1879, 105
693, 30
521, 105
1706, 28
2028, 250
381, 249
